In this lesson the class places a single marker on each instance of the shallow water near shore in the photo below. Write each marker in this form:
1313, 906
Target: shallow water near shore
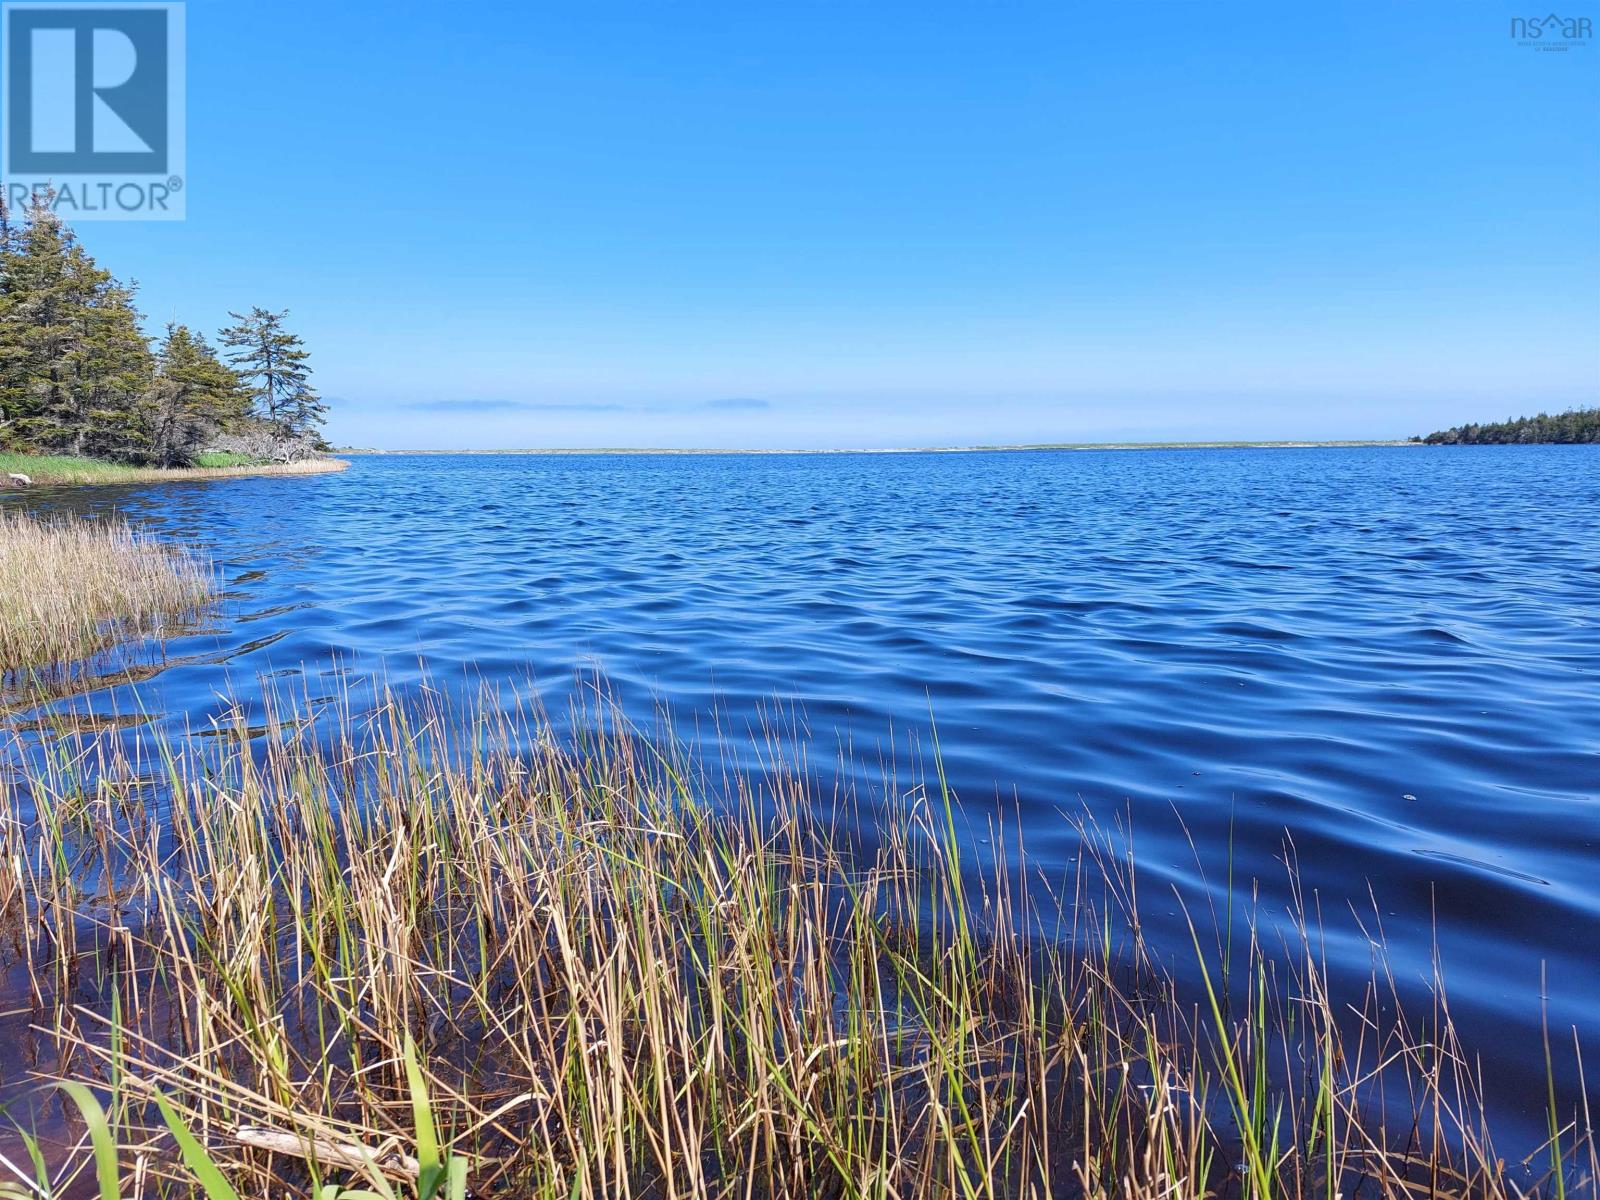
1381, 663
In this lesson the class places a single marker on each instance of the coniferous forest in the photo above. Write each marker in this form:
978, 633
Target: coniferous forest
80, 376
1576, 425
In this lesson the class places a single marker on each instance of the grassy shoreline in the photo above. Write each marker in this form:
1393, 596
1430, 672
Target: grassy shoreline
56, 470
71, 589
434, 944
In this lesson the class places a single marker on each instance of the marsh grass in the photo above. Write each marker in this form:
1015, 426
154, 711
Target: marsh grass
71, 588
429, 951
227, 458
47, 470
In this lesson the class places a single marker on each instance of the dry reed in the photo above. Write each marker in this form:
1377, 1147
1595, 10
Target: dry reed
70, 588
613, 990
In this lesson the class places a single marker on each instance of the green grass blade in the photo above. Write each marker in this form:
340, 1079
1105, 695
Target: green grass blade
200, 1163
105, 1146
431, 1171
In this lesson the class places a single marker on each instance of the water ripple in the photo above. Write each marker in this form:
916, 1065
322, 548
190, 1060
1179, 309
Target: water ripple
1384, 662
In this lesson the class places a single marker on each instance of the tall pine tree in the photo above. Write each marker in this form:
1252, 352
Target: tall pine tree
273, 362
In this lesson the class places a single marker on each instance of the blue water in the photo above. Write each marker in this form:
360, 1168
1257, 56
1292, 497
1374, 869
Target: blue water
1387, 659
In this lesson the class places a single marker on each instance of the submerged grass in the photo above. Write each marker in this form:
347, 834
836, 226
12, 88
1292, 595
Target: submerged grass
70, 588
432, 952
61, 469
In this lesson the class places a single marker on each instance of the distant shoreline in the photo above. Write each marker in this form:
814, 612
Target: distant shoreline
623, 450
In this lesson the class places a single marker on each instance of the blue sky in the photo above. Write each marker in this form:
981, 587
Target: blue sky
847, 224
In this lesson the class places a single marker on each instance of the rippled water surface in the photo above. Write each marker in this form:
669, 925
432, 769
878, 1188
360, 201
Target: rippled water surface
1385, 659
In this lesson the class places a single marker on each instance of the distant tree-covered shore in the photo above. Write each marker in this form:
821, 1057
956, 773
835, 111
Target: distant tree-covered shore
79, 376
1576, 425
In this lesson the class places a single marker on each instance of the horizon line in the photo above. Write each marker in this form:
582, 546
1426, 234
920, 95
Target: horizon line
1214, 444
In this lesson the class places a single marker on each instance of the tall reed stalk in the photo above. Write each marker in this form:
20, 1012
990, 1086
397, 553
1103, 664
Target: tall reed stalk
428, 951
70, 588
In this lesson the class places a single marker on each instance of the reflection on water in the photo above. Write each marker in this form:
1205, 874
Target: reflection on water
1384, 663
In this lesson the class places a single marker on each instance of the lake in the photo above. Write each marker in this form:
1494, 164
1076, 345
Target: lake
1382, 662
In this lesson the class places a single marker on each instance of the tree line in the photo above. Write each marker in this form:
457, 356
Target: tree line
79, 376
1575, 425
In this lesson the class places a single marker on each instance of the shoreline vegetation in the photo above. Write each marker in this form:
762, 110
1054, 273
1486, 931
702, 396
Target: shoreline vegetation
437, 951
58, 470
1576, 426
71, 589
80, 377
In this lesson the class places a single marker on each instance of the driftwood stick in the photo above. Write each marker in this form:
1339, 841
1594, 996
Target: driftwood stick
336, 1154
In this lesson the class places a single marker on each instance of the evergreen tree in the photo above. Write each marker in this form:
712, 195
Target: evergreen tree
193, 394
73, 362
307, 412
77, 374
1575, 425
35, 298
112, 369
13, 364
273, 362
